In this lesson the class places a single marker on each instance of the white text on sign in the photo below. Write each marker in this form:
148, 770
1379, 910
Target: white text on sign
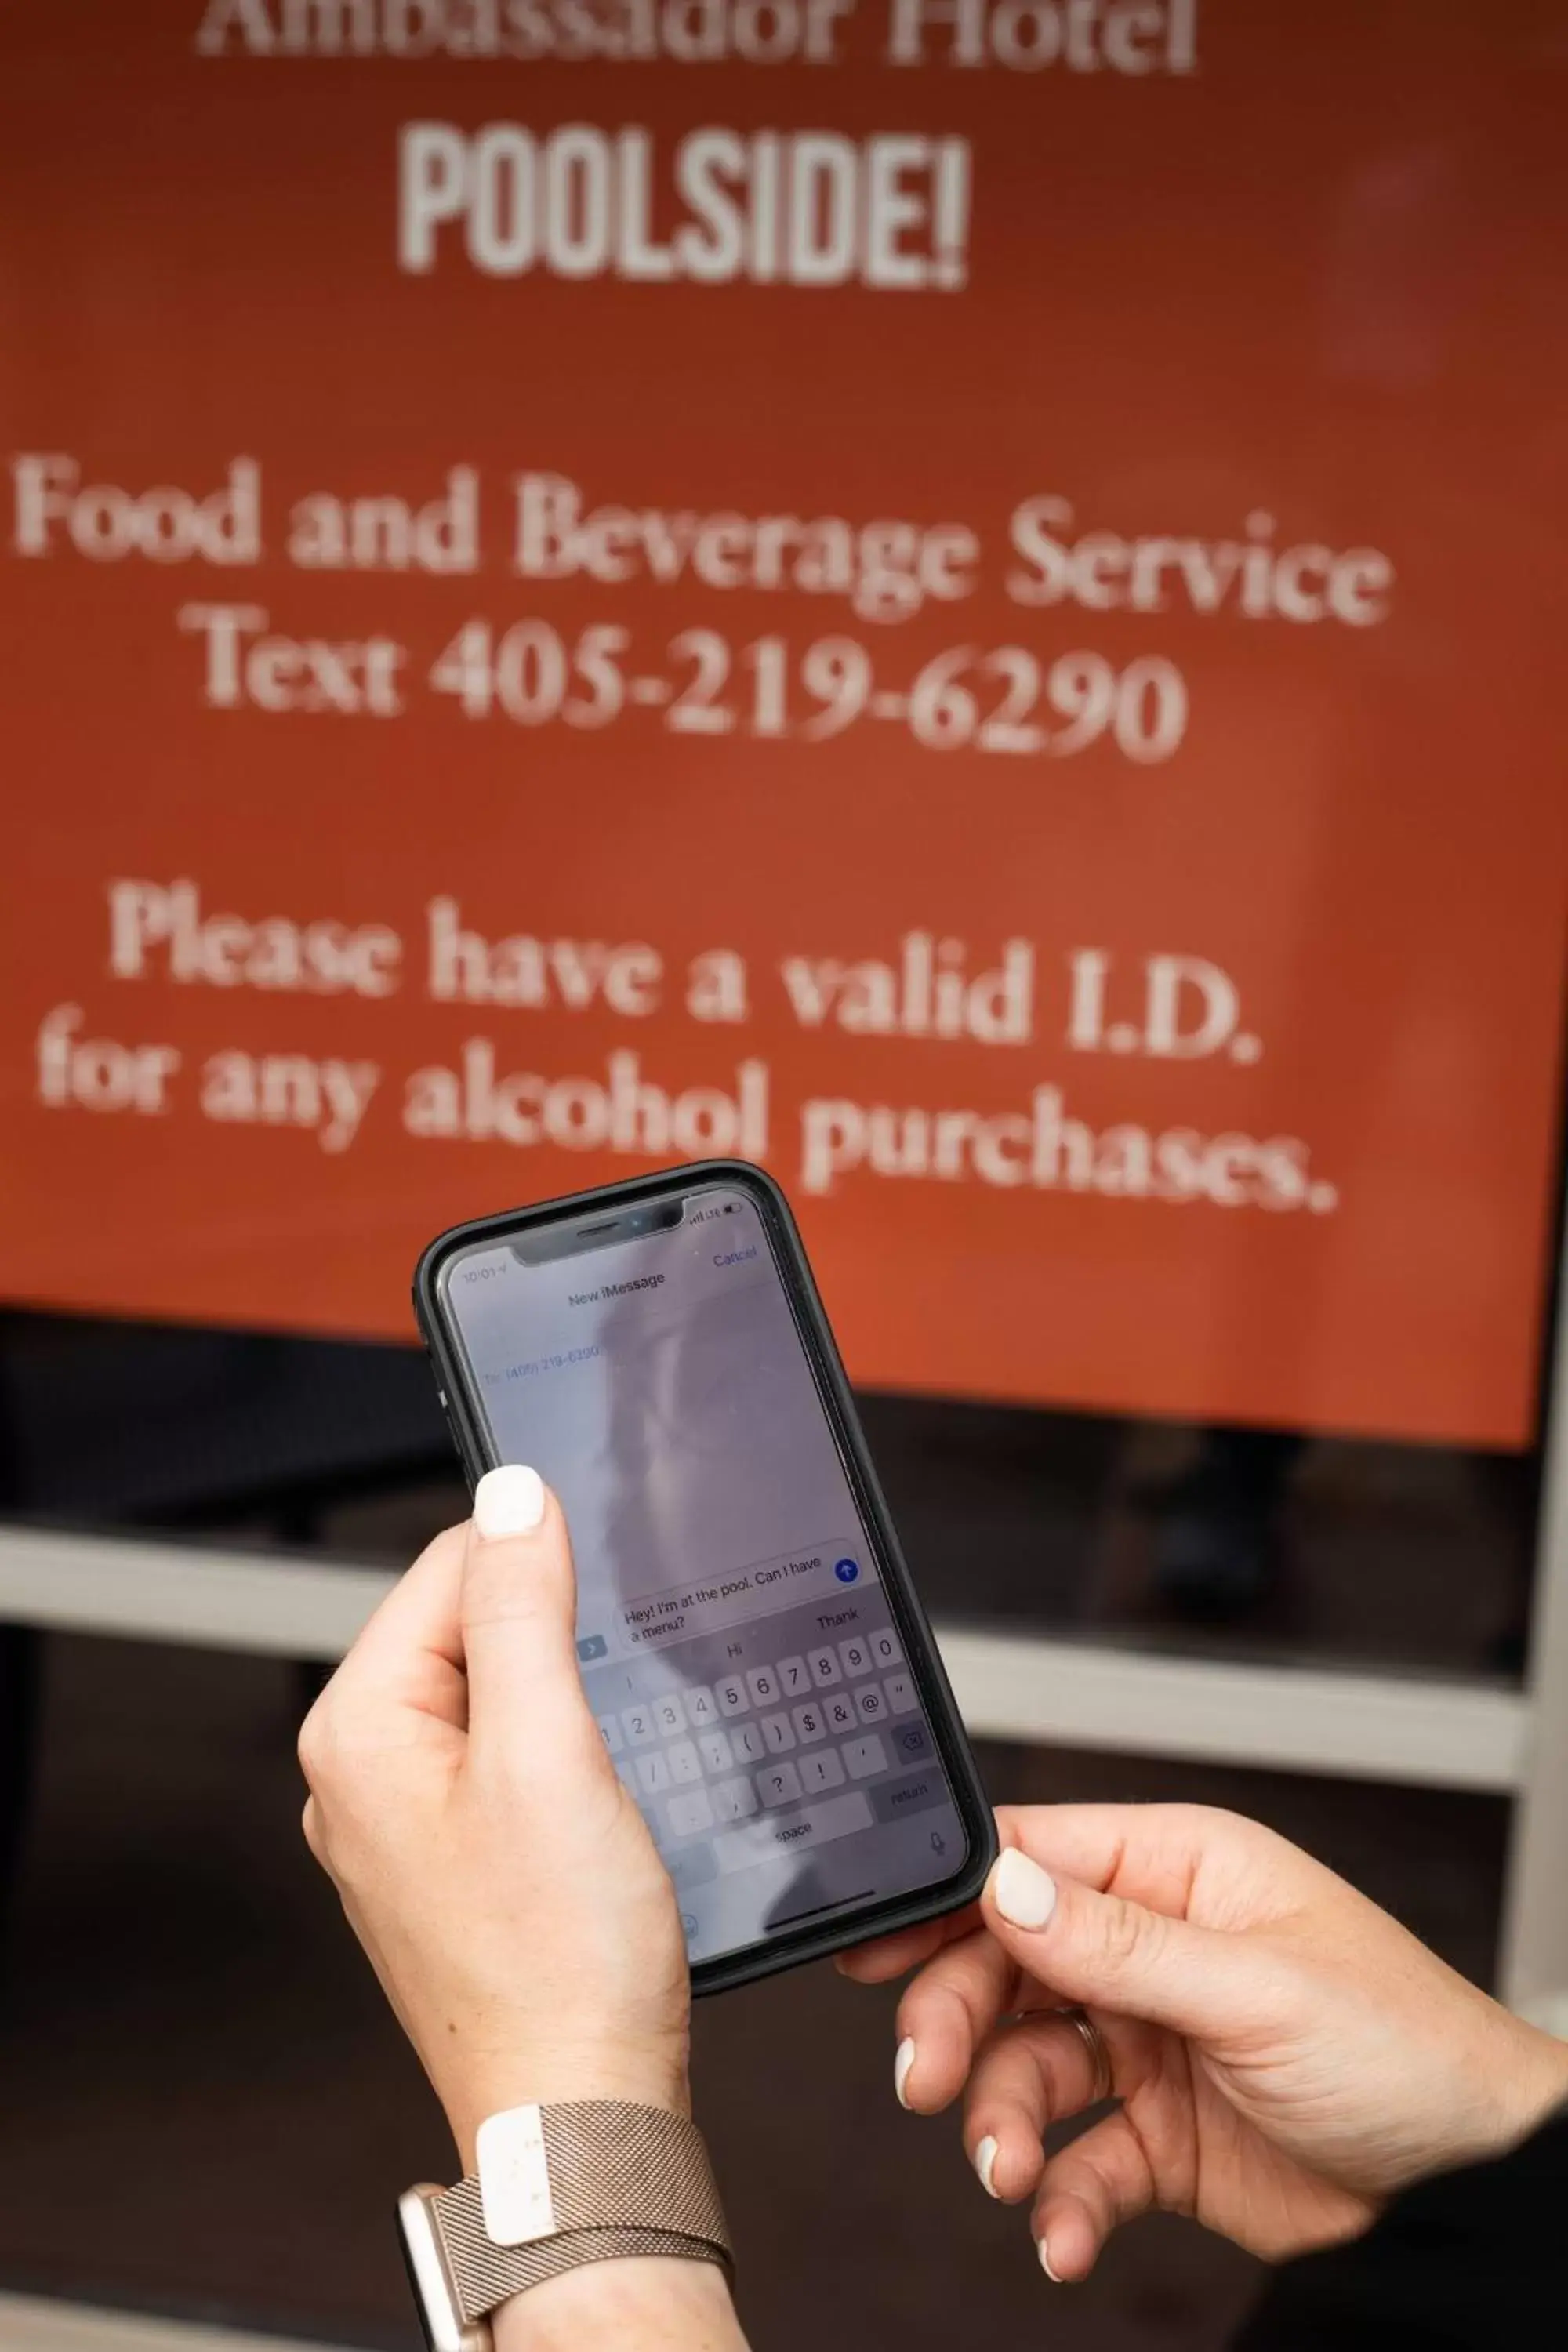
788, 208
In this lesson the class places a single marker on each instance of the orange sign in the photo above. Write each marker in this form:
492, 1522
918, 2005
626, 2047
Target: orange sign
956, 595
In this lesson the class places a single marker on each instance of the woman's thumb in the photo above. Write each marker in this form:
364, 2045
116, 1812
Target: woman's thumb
519, 1608
1108, 1953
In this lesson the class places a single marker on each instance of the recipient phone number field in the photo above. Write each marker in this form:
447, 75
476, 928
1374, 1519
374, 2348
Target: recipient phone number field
1000, 699
529, 1369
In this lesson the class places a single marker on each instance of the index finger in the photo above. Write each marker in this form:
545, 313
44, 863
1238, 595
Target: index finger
948, 2012
887, 1957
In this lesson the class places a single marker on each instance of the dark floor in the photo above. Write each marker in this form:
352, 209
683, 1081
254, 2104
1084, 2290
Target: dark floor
207, 2109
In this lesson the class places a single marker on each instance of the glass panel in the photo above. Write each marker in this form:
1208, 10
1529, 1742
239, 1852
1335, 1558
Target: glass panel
1224, 1540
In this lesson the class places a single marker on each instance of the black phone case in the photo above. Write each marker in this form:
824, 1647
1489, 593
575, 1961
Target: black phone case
466, 1421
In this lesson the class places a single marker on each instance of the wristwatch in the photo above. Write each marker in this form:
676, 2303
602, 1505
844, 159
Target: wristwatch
582, 2182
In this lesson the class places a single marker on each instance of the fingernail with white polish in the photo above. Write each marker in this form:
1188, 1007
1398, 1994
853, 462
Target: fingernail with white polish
1025, 1895
985, 2163
1046, 2265
903, 2061
508, 1501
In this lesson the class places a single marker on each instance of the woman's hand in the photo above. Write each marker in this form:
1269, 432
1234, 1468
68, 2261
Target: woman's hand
1285, 2055
500, 1879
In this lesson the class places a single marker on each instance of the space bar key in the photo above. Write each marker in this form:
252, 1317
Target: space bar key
778, 1833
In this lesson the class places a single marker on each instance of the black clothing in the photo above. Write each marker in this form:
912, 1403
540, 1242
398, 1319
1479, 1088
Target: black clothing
1470, 2260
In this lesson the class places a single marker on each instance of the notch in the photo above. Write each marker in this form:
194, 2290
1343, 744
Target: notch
568, 1238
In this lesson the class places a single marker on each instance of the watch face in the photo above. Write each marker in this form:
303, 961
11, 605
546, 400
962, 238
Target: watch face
434, 2293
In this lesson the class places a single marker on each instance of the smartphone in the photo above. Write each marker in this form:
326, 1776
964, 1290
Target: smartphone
749, 1640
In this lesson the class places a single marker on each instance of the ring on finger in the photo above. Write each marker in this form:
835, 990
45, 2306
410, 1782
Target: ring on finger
1093, 2040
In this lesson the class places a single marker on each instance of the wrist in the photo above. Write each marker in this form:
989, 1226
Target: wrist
1539, 2083
654, 2076
648, 2301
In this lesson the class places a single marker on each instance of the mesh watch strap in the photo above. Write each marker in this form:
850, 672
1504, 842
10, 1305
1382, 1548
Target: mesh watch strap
623, 2179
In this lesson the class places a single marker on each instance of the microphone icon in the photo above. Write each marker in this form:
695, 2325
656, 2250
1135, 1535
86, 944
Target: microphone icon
938, 1843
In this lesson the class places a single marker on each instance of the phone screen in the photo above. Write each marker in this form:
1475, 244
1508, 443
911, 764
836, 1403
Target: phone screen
737, 1645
